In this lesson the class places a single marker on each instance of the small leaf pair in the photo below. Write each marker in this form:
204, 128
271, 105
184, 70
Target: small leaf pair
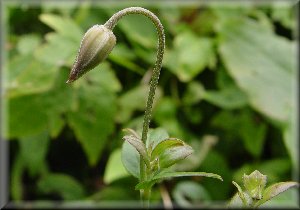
165, 154
159, 153
255, 193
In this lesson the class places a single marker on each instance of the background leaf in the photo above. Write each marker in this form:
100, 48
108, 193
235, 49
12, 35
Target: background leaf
63, 185
114, 168
94, 113
270, 70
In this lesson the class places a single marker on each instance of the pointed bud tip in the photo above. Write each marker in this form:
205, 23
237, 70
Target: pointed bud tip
69, 81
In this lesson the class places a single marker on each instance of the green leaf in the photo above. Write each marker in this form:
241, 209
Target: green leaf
58, 50
228, 98
114, 169
201, 150
141, 31
155, 136
190, 56
286, 200
246, 127
139, 146
56, 124
66, 186
134, 99
189, 193
266, 78
241, 194
104, 76
166, 175
93, 119
290, 140
132, 132
63, 25
165, 144
29, 77
165, 114
16, 186
275, 190
124, 56
130, 156
35, 161
131, 159
236, 201
194, 93
284, 13
22, 110
181, 174
28, 43
174, 154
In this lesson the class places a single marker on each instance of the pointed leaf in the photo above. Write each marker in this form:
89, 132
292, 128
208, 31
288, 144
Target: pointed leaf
165, 144
139, 146
180, 174
168, 174
275, 190
132, 132
240, 193
156, 135
131, 159
174, 154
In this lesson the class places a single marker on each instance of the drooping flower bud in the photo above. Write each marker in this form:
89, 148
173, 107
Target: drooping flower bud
95, 46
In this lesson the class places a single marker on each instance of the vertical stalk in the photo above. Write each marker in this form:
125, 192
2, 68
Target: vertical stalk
110, 24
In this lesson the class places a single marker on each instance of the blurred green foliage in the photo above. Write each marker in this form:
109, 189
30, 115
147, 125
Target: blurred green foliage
229, 75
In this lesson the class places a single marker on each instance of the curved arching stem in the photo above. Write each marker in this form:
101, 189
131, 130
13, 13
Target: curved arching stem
110, 24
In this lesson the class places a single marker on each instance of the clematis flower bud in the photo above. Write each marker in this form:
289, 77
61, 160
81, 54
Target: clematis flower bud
95, 46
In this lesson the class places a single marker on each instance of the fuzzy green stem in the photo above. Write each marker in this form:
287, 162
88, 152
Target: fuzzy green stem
110, 24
